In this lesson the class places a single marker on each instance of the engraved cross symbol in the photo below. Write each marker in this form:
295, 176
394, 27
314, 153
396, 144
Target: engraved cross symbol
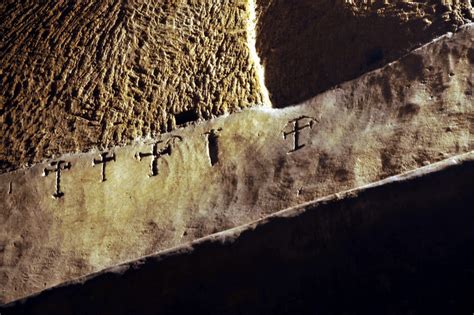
57, 167
104, 159
156, 153
297, 126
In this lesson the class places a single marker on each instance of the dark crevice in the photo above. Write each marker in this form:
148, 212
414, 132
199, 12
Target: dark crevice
213, 146
186, 117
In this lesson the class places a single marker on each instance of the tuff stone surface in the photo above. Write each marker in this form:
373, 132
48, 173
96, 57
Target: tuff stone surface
234, 169
79, 74
399, 246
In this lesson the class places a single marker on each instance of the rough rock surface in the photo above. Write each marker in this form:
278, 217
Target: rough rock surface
400, 246
309, 46
226, 172
78, 74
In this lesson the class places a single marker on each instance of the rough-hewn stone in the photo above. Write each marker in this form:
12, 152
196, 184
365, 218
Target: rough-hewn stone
410, 113
76, 75
81, 74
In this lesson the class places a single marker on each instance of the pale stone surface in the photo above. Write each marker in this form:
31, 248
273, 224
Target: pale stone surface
397, 246
410, 113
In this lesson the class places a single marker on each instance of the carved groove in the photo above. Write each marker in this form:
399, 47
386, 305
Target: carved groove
213, 146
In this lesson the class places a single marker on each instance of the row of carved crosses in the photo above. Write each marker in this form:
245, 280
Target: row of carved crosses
158, 150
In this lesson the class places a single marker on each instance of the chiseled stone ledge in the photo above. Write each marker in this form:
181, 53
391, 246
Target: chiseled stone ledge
400, 245
235, 169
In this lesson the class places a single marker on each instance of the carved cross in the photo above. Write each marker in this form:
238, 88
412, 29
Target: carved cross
57, 167
104, 159
297, 127
158, 152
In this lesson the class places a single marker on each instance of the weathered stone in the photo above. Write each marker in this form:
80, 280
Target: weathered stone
399, 246
229, 171
78, 74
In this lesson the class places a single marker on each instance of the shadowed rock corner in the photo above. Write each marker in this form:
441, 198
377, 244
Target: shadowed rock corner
400, 246
309, 46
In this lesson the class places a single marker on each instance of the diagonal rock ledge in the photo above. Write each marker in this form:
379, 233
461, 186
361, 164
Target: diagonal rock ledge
408, 229
233, 170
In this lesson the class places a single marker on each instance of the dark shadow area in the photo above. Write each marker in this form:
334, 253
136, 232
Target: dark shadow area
401, 248
186, 117
309, 46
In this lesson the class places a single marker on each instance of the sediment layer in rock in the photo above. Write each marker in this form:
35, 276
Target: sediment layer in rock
229, 171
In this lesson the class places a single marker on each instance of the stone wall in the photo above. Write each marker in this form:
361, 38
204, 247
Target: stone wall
309, 46
401, 246
81, 74
77, 75
226, 172
128, 80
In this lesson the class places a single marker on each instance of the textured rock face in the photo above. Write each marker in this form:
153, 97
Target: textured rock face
76, 75
232, 170
79, 74
309, 46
